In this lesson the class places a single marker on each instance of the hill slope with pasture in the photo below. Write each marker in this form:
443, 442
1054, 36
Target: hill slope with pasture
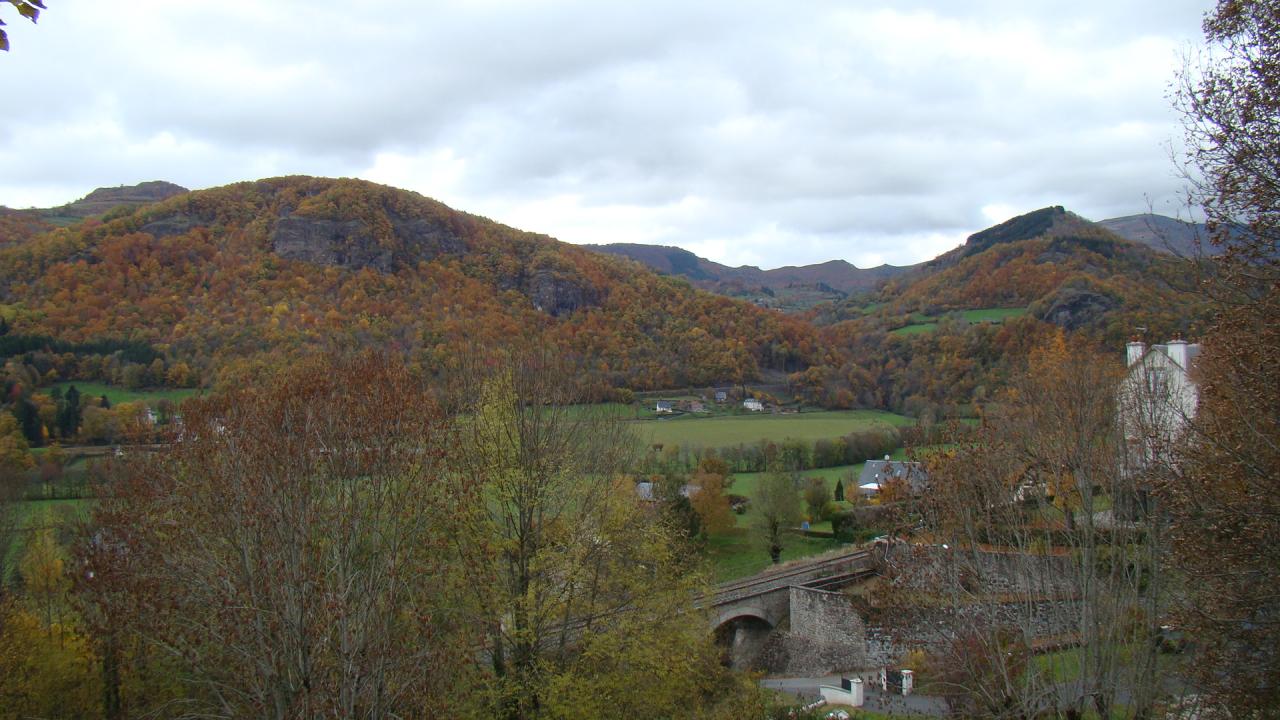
946, 334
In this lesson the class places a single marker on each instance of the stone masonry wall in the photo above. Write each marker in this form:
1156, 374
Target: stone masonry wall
928, 629
824, 635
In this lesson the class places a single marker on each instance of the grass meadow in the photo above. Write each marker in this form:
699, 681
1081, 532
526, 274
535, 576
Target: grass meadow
992, 315
729, 430
117, 395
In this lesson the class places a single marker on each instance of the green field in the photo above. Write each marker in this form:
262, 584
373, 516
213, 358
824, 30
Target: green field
992, 315
925, 324
728, 430
117, 395
740, 551
745, 483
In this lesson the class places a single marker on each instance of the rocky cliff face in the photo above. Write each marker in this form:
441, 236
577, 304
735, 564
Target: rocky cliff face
351, 244
558, 295
1076, 305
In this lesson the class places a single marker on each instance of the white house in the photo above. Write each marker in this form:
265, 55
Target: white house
645, 490
663, 406
1158, 395
1157, 399
753, 405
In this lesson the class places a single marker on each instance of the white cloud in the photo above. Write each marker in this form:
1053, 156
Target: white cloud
751, 132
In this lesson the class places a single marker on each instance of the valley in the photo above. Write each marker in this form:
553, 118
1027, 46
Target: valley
702, 361
751, 429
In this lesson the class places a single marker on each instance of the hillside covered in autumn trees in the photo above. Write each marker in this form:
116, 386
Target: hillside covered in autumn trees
270, 271
209, 287
912, 346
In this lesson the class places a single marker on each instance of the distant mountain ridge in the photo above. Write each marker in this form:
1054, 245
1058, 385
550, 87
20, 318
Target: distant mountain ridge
831, 280
1165, 234
98, 202
835, 279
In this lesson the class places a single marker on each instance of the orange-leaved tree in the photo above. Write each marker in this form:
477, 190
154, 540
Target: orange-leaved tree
288, 552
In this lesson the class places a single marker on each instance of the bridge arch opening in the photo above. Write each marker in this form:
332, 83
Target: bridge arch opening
741, 638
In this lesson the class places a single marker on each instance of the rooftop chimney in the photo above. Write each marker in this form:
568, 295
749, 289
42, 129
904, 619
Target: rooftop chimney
1135, 349
1177, 350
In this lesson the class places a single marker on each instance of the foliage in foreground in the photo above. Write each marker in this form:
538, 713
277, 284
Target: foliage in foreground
343, 543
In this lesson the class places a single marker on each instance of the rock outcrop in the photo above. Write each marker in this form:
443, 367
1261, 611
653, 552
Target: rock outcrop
351, 243
557, 294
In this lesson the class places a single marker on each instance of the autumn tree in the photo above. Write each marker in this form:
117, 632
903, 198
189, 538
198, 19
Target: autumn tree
15, 454
1019, 566
288, 551
816, 496
1224, 506
710, 502
579, 590
777, 504
44, 577
43, 673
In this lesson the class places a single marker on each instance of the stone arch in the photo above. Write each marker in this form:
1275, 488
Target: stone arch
741, 634
729, 615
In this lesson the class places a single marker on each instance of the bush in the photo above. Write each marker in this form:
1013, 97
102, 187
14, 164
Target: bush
816, 496
845, 526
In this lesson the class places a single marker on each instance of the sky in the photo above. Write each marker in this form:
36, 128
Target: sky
763, 133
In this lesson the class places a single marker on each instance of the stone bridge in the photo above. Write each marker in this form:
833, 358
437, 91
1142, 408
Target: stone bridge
801, 602
793, 621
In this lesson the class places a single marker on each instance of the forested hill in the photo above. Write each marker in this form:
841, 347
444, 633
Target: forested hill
948, 333
214, 285
1056, 265
260, 273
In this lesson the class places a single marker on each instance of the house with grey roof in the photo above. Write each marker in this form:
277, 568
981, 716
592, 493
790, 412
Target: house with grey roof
875, 473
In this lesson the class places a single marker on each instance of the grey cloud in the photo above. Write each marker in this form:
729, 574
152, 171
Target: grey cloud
815, 124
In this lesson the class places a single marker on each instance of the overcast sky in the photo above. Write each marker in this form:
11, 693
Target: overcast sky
765, 133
